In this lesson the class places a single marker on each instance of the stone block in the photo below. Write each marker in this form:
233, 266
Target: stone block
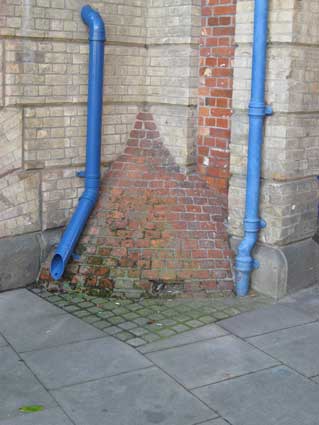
19, 261
289, 272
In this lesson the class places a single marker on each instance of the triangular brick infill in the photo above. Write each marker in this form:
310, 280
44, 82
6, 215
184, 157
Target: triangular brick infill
153, 226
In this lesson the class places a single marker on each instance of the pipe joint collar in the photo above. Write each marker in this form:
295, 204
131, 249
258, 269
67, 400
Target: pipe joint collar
91, 195
94, 21
244, 263
253, 226
259, 109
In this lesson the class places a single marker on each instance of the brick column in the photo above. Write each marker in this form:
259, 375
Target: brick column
215, 90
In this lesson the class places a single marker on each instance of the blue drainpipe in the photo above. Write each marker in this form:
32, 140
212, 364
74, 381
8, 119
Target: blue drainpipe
245, 263
93, 146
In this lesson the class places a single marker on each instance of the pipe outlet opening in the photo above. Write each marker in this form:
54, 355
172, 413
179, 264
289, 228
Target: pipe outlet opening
57, 267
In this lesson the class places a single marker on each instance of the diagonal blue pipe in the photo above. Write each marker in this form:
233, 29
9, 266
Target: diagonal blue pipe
245, 263
93, 146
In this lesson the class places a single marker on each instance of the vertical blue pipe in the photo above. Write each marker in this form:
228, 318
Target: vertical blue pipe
245, 263
93, 145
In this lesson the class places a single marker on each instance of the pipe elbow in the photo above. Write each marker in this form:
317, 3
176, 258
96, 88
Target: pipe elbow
91, 195
244, 260
94, 21
247, 244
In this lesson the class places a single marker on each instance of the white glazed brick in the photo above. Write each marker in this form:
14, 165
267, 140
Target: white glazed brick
60, 189
60, 19
10, 140
19, 203
172, 75
290, 147
289, 208
178, 129
57, 72
281, 21
56, 135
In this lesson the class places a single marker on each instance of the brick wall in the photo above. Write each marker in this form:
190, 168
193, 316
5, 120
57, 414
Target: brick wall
215, 90
153, 225
151, 63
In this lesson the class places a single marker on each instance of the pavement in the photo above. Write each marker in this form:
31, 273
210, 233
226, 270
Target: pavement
257, 368
138, 321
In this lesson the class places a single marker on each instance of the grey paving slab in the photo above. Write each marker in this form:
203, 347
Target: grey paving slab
46, 417
277, 396
206, 332
41, 331
137, 398
272, 318
80, 362
218, 421
25, 305
3, 342
316, 379
296, 347
18, 386
306, 300
210, 361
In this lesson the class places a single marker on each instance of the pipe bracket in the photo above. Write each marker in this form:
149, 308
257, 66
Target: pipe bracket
262, 223
268, 110
80, 173
256, 264
259, 109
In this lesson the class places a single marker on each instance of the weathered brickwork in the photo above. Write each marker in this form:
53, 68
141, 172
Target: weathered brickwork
153, 224
215, 90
